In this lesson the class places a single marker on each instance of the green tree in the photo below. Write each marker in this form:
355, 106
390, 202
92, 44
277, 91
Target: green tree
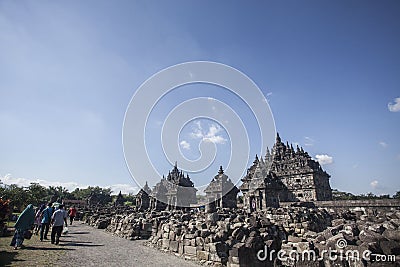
58, 193
102, 194
18, 197
37, 194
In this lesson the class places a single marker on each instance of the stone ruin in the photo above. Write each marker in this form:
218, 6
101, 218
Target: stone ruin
230, 237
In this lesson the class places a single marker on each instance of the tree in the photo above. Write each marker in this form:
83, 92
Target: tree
102, 194
58, 193
339, 195
18, 197
37, 194
397, 195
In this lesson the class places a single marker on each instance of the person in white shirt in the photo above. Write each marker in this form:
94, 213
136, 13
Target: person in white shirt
57, 220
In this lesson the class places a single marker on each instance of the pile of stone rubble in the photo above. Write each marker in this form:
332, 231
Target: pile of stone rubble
291, 236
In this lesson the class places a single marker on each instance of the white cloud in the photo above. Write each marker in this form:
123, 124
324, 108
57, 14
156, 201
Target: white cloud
215, 139
394, 107
71, 186
211, 135
324, 159
383, 144
184, 144
124, 188
374, 184
8, 179
308, 141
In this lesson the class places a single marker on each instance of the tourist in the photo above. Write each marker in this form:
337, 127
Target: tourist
38, 219
72, 214
24, 223
58, 219
46, 217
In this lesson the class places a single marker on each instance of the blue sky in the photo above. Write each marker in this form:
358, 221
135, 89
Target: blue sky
68, 70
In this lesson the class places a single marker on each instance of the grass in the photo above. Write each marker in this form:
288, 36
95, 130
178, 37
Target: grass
11, 223
33, 253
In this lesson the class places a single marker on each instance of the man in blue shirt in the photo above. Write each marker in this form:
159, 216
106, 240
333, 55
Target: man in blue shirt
46, 217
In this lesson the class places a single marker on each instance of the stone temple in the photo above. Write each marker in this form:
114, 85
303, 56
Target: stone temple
174, 191
143, 199
221, 192
284, 175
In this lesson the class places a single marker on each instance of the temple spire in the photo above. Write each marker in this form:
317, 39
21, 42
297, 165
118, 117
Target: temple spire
256, 160
278, 138
221, 171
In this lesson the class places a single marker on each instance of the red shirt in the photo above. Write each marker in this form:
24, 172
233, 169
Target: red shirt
72, 212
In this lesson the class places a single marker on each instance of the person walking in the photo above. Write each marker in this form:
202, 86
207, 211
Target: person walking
46, 218
72, 214
58, 219
24, 223
38, 219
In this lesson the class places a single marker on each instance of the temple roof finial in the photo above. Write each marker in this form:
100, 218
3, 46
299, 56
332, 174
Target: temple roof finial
221, 171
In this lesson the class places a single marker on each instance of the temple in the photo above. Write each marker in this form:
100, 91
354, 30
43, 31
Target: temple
119, 201
173, 192
221, 192
284, 175
143, 199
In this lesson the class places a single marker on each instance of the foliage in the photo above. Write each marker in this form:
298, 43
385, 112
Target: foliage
86, 192
338, 195
128, 203
57, 193
5, 209
130, 198
37, 194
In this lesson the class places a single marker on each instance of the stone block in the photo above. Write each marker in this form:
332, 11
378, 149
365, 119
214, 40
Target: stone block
190, 250
180, 248
174, 246
391, 235
199, 241
165, 243
203, 255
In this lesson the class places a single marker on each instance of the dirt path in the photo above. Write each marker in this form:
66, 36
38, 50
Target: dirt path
88, 246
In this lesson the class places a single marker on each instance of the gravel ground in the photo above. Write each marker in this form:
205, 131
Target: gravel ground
93, 247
